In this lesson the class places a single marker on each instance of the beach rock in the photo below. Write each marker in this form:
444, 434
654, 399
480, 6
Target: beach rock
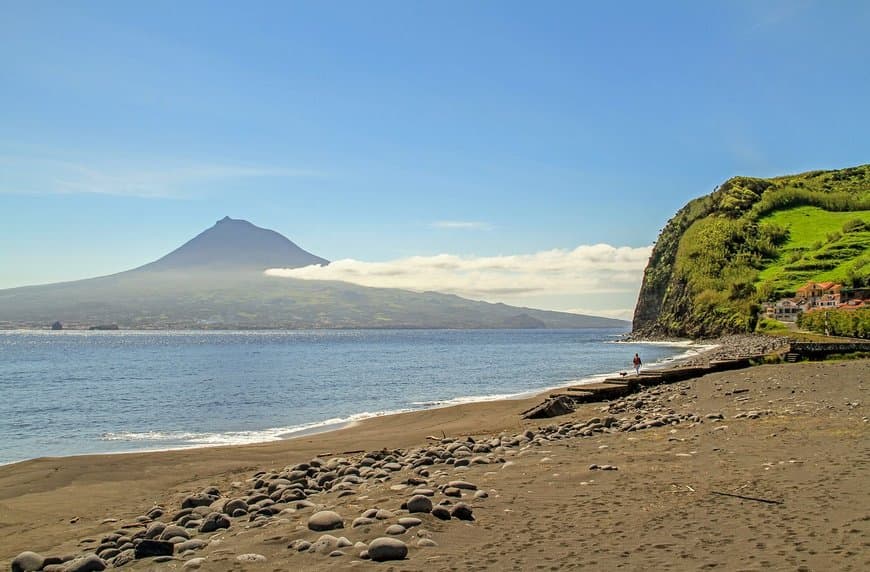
181, 514
383, 514
27, 561
90, 563
452, 492
251, 557
424, 492
125, 557
426, 543
300, 545
410, 521
395, 529
174, 530
324, 545
194, 501
109, 553
325, 520
214, 521
419, 503
462, 485
385, 548
150, 548
481, 495
461, 511
192, 544
441, 512
155, 529
362, 521
233, 505
193, 563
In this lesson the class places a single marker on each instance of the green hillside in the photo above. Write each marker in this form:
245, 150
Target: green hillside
821, 246
752, 240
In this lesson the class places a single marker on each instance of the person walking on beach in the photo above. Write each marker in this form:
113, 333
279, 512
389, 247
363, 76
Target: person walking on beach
637, 363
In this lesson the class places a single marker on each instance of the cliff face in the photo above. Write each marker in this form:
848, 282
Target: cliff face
723, 254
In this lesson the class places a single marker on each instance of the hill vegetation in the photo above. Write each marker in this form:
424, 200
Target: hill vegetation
753, 240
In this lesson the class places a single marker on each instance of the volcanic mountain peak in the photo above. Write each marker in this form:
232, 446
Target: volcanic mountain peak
235, 244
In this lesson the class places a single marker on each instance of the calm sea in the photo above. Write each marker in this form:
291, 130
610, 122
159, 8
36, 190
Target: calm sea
68, 393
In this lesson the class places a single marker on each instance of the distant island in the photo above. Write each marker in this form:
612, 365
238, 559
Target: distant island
741, 258
216, 281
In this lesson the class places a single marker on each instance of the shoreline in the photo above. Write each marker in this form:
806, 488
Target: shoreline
51, 504
693, 350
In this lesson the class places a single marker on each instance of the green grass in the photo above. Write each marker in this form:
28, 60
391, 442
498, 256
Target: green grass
754, 240
815, 250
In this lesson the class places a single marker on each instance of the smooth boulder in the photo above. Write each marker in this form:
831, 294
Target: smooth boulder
91, 563
419, 503
384, 548
214, 521
151, 548
325, 520
28, 562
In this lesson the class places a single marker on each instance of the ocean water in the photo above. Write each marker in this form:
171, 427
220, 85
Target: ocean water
68, 393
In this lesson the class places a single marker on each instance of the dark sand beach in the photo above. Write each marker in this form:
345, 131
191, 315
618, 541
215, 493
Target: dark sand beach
758, 469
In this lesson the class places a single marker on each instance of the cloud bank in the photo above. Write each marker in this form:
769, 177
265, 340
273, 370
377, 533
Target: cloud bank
589, 272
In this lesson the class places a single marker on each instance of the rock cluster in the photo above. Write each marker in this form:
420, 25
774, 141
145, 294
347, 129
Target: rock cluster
419, 475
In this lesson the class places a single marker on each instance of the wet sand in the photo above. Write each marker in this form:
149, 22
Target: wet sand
805, 448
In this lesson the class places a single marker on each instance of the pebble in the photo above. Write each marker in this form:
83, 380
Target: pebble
27, 561
385, 548
462, 511
419, 503
172, 531
395, 529
441, 512
193, 563
149, 548
90, 563
214, 521
362, 521
426, 543
410, 521
192, 544
251, 557
462, 485
325, 520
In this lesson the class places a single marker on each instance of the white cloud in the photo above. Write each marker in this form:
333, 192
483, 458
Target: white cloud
461, 225
158, 179
598, 272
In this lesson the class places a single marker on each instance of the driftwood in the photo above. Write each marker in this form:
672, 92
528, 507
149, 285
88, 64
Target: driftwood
321, 455
552, 407
746, 497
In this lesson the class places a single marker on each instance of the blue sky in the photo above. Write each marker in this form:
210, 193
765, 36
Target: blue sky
377, 131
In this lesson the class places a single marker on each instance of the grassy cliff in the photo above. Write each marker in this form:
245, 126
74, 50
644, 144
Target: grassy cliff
752, 240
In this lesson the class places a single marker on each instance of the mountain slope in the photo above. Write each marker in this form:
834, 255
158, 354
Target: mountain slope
753, 240
216, 281
235, 244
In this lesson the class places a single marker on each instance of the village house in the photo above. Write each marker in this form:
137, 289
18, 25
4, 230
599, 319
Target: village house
817, 296
816, 292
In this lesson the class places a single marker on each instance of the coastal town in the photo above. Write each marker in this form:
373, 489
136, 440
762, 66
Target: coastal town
814, 296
